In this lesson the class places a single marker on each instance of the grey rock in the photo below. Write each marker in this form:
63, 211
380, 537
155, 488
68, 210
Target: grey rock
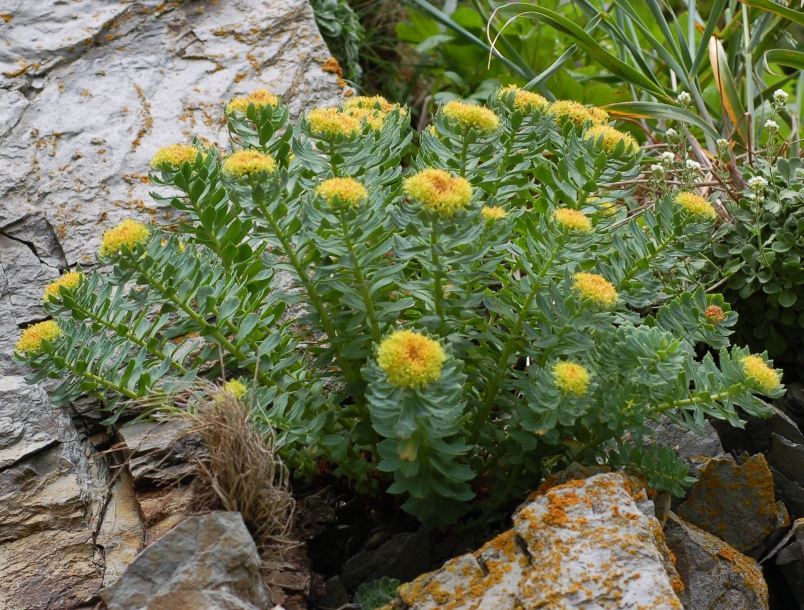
583, 544
121, 534
206, 562
715, 576
403, 557
787, 462
26, 277
336, 595
162, 453
790, 560
25, 426
792, 403
736, 502
695, 449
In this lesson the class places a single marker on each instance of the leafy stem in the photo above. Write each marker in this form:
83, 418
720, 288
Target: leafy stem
438, 281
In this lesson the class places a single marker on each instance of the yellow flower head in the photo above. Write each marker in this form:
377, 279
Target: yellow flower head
607, 208
332, 120
493, 213
346, 189
471, 116
572, 220
571, 378
370, 116
439, 192
714, 314
376, 102
260, 98
246, 162
69, 280
524, 100
599, 116
410, 360
236, 388
175, 155
567, 110
696, 205
595, 287
31, 338
129, 232
611, 138
766, 378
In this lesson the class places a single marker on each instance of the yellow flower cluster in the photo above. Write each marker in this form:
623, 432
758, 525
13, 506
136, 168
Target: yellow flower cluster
766, 378
576, 113
31, 338
260, 98
571, 378
714, 314
129, 232
346, 189
471, 116
410, 360
332, 120
376, 102
611, 138
175, 155
572, 220
595, 287
493, 213
524, 100
439, 192
246, 162
69, 280
696, 205
236, 388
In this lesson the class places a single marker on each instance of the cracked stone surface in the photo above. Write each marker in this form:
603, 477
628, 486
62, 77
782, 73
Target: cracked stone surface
583, 544
88, 91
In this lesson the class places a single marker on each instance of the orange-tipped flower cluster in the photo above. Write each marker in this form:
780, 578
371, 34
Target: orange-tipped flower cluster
69, 281
571, 378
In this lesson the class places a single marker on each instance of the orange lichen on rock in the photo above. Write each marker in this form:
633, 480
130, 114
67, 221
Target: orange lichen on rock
333, 67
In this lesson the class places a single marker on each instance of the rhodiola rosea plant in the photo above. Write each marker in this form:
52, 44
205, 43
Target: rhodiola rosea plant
449, 332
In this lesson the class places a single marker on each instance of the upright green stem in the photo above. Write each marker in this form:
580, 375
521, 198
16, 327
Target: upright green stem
371, 314
332, 162
464, 152
438, 285
101, 381
749, 68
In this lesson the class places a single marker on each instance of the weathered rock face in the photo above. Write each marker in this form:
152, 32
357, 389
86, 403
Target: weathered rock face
206, 562
736, 503
695, 449
715, 576
791, 560
583, 544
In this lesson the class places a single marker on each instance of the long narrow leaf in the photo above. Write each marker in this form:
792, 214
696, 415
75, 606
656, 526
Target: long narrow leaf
778, 9
784, 57
717, 10
588, 44
654, 110
729, 94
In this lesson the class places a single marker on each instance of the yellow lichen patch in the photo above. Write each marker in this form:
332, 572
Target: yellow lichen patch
524, 101
332, 121
175, 155
69, 281
572, 220
471, 116
714, 314
439, 192
569, 111
247, 162
129, 232
695, 205
766, 378
595, 287
260, 98
571, 378
493, 213
347, 190
410, 359
31, 338
611, 138
236, 388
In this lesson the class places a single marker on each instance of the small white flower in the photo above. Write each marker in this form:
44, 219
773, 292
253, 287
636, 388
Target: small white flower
684, 98
771, 125
780, 97
693, 165
721, 143
656, 169
757, 183
671, 134
668, 158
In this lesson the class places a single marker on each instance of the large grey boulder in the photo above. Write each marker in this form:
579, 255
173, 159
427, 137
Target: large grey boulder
207, 562
589, 543
715, 576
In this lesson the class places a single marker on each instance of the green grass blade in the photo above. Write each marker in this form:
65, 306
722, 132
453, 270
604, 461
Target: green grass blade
703, 48
656, 110
784, 57
777, 9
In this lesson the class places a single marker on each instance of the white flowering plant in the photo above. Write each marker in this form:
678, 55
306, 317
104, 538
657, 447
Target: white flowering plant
449, 332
